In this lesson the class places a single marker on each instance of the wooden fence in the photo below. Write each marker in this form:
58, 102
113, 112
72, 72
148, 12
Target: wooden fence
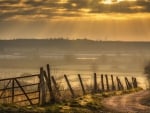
47, 89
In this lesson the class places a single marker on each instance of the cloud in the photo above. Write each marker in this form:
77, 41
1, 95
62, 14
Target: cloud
50, 9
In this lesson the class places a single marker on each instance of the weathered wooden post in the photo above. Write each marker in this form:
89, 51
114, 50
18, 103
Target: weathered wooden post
69, 85
55, 85
118, 83
107, 83
95, 83
120, 86
39, 90
134, 82
48, 86
113, 84
129, 86
42, 87
102, 82
52, 97
81, 83
13, 92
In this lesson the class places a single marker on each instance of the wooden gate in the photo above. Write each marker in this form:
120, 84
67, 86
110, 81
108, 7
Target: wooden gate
22, 90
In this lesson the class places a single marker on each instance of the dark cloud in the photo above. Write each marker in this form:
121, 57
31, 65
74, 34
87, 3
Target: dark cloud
3, 2
123, 7
71, 8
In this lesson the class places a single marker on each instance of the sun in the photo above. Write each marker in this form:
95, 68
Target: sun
120, 0
107, 1
113, 1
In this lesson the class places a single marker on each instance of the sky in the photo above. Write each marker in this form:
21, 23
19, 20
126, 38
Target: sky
113, 20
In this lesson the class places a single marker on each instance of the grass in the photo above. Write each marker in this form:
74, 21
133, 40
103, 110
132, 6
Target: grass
85, 104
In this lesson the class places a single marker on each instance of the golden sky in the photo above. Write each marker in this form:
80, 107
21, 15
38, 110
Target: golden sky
124, 20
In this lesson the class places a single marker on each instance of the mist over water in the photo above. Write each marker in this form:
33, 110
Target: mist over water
24, 57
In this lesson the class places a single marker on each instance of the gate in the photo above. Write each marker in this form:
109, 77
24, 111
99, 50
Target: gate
22, 90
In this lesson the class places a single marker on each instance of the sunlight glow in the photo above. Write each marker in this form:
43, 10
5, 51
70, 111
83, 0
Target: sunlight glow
114, 1
119, 0
63, 1
107, 1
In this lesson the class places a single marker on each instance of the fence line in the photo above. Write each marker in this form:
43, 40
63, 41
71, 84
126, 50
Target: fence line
47, 87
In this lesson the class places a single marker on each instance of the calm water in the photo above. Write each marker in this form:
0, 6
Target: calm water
72, 71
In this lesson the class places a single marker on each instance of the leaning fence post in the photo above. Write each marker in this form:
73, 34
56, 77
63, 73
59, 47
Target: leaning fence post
113, 84
95, 83
107, 83
55, 85
82, 86
69, 85
102, 82
42, 87
120, 86
129, 86
52, 97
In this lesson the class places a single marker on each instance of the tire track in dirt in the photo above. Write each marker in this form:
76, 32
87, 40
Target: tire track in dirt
129, 103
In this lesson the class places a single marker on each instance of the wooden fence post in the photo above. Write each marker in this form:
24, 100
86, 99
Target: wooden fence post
39, 89
127, 83
55, 85
113, 84
69, 85
129, 86
102, 82
52, 97
95, 83
134, 82
42, 88
81, 83
13, 90
107, 83
120, 86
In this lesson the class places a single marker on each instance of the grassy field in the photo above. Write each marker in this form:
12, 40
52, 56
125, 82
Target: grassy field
85, 104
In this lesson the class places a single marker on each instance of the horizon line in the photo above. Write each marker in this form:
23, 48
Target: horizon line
73, 39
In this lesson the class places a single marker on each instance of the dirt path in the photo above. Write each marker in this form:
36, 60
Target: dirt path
130, 103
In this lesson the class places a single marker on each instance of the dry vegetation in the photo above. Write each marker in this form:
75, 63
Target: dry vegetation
85, 104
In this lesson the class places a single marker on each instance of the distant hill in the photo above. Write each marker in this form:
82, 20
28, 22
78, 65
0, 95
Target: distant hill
74, 45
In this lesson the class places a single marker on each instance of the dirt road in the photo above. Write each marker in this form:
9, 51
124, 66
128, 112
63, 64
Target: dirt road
129, 103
